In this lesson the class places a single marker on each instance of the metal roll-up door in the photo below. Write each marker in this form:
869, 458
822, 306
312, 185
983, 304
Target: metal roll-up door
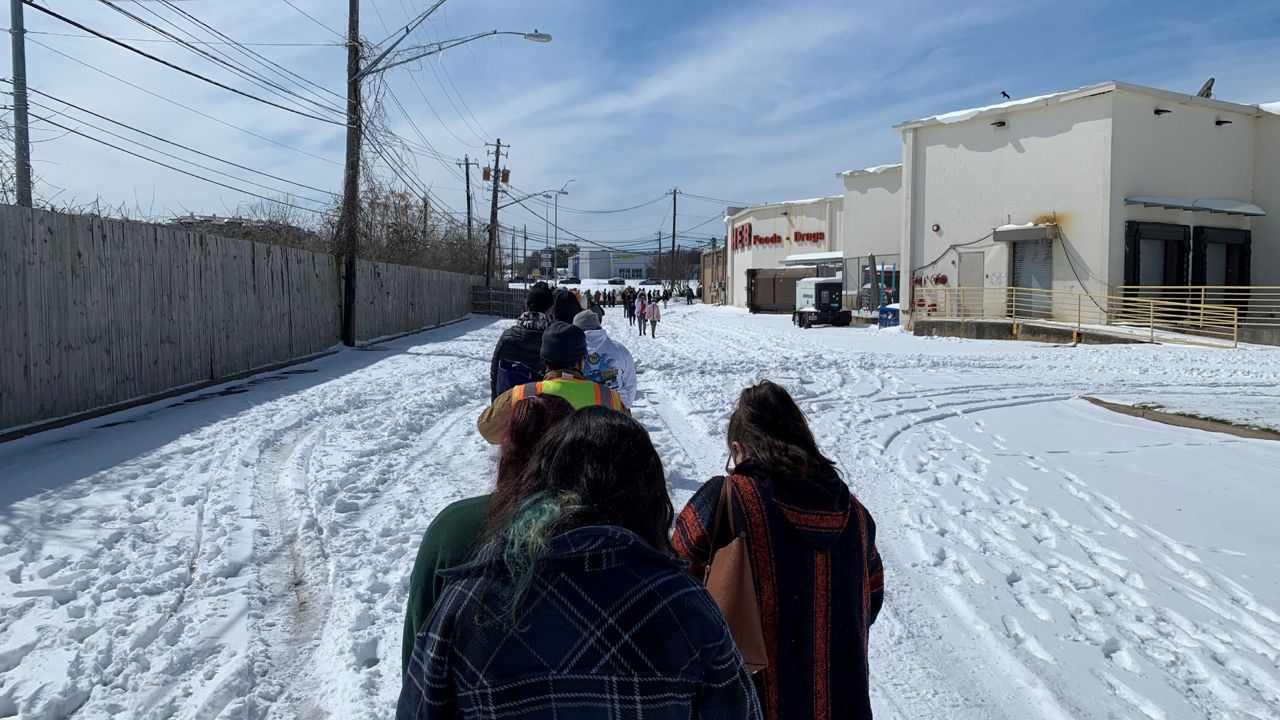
1033, 270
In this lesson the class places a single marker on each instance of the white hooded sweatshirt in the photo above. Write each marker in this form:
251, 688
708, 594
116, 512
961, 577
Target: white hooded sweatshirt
609, 362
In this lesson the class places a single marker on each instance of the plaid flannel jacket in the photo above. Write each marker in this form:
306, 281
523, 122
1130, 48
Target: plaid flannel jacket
610, 628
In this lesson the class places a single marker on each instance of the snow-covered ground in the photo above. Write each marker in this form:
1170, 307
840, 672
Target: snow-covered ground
244, 552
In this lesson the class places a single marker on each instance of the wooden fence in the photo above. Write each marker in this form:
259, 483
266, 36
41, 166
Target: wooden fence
502, 302
96, 313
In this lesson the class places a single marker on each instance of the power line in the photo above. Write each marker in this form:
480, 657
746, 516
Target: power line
185, 107
218, 57
718, 201
308, 16
179, 68
265, 61
174, 143
164, 40
180, 170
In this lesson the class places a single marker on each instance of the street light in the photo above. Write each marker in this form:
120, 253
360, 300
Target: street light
348, 217
422, 51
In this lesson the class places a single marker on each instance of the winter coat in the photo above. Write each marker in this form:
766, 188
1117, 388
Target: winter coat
448, 542
654, 313
522, 343
819, 584
610, 628
642, 309
609, 362
598, 310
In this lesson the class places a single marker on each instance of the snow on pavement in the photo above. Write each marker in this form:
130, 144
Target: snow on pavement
245, 552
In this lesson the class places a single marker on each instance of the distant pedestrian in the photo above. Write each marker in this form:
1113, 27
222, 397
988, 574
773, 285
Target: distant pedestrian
688, 296
654, 314
595, 308
629, 308
666, 298
642, 313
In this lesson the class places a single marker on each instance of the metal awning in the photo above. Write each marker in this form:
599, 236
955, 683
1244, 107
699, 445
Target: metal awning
1224, 206
813, 258
1021, 233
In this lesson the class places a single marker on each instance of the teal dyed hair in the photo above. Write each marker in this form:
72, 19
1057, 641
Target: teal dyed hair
524, 542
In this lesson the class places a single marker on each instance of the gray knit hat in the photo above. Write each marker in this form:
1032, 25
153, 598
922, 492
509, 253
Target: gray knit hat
587, 320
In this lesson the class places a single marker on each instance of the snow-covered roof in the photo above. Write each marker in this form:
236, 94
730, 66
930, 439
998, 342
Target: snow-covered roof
786, 203
877, 170
959, 116
1273, 108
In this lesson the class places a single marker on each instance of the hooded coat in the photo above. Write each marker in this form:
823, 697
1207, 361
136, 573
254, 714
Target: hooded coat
522, 343
609, 363
819, 585
609, 628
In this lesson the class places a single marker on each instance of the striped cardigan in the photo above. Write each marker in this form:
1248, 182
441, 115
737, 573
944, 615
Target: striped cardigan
819, 583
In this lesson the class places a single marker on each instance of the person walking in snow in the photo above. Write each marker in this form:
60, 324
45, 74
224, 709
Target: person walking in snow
654, 315
454, 534
818, 577
642, 313
575, 608
596, 308
666, 298
608, 362
629, 306
564, 350
522, 342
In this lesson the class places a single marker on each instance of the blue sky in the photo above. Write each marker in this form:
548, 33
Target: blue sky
746, 101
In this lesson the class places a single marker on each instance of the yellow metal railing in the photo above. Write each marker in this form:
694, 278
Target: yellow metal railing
1150, 319
1258, 306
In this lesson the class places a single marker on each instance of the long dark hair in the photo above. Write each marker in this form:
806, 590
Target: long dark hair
596, 467
774, 432
529, 421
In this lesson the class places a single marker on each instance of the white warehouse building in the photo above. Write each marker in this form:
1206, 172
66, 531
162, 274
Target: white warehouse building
1093, 189
605, 264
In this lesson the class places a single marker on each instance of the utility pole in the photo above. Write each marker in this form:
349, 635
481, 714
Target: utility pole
674, 193
348, 226
493, 212
467, 162
513, 254
658, 265
21, 144
524, 257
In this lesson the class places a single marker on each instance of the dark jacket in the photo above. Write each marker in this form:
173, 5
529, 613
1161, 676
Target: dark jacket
522, 343
609, 628
819, 583
448, 542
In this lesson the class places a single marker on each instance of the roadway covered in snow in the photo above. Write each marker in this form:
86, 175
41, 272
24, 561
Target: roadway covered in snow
245, 551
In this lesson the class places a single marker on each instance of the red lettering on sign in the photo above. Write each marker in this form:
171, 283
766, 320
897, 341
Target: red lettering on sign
813, 237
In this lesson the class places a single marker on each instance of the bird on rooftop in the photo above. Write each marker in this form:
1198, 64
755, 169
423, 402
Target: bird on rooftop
1005, 95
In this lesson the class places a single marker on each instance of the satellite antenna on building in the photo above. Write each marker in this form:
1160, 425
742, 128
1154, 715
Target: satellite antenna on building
1206, 90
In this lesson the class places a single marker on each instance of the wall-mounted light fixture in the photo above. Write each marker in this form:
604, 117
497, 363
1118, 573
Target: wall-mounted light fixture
1162, 111
999, 123
1220, 123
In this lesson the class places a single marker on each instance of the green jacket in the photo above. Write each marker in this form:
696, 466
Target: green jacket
448, 542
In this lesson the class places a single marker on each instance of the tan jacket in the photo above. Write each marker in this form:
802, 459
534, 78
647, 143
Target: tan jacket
492, 423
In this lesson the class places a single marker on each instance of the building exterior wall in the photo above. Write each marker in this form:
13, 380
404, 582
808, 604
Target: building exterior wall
1047, 164
769, 233
1266, 194
872, 213
631, 266
1181, 154
713, 275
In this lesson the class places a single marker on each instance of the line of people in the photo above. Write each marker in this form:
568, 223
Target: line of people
574, 590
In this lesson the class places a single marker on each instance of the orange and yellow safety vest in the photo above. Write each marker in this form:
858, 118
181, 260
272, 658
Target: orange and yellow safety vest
579, 393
